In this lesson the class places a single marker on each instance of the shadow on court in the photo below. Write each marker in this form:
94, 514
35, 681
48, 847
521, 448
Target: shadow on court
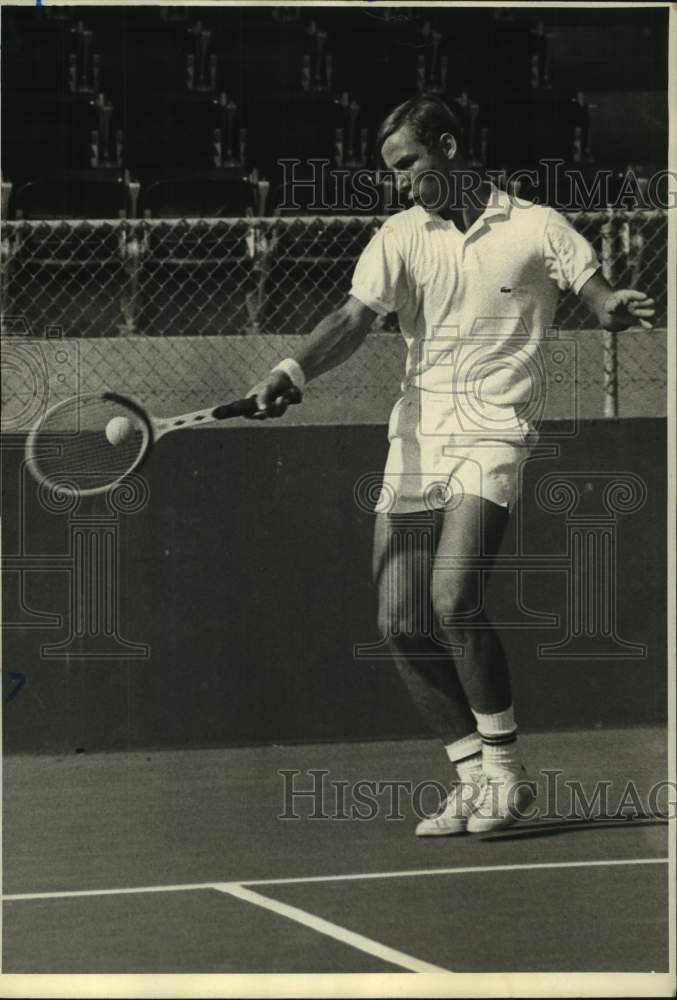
554, 829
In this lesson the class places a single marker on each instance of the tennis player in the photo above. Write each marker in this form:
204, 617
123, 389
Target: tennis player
474, 277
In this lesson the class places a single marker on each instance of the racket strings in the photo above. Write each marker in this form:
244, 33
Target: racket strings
87, 444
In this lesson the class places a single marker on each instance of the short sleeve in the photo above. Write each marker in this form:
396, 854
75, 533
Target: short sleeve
380, 280
569, 258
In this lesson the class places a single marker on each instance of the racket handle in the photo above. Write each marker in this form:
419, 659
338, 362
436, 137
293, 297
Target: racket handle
239, 408
248, 407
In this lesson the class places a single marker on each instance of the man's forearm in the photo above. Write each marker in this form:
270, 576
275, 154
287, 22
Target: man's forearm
595, 294
332, 342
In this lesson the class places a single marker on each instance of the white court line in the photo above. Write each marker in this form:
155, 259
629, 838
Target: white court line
335, 931
476, 869
413, 873
129, 891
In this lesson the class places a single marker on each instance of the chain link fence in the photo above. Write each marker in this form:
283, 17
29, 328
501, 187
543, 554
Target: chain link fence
243, 289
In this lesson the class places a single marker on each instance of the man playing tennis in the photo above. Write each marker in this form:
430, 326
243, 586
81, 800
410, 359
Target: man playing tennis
473, 276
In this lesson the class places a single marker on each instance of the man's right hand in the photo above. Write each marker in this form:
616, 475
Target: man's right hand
273, 395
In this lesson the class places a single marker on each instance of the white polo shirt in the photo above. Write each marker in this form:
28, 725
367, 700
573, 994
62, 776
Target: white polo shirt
473, 306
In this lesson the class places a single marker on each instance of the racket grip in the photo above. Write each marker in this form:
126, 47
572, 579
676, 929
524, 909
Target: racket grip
239, 408
248, 407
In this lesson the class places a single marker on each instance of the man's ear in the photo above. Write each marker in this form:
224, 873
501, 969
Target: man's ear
448, 145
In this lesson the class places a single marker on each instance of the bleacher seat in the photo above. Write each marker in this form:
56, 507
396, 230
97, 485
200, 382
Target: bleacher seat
169, 131
73, 194
197, 194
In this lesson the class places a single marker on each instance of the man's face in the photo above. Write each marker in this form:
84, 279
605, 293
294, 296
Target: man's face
422, 174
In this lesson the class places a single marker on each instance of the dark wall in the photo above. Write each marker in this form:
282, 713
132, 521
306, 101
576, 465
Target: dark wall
247, 573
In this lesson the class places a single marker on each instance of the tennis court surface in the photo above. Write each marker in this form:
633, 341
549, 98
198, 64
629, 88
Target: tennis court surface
178, 861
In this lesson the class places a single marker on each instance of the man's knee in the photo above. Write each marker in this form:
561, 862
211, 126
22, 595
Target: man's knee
401, 618
455, 605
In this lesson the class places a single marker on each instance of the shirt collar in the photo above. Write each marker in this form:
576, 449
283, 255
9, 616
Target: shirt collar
498, 203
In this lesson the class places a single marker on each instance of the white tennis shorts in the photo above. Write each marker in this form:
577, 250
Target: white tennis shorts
441, 450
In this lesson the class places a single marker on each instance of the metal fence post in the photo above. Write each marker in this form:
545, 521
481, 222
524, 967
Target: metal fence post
133, 244
609, 343
8, 245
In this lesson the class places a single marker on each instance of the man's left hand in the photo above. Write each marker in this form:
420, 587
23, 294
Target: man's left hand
625, 308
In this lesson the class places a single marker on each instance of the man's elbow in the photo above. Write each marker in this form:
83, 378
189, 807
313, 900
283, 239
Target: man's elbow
356, 318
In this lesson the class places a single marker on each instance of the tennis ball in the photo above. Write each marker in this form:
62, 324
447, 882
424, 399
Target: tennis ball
118, 429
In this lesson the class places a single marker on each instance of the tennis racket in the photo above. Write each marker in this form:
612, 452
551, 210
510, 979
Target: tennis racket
87, 444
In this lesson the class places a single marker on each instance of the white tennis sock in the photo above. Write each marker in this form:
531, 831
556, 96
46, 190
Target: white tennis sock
498, 733
466, 755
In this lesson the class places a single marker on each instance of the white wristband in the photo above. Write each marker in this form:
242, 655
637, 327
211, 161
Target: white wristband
293, 370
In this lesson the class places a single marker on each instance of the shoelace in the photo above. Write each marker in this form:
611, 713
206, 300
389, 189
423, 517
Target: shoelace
483, 785
488, 782
456, 787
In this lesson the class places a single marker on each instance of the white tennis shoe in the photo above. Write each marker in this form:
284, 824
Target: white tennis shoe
494, 802
454, 814
504, 798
